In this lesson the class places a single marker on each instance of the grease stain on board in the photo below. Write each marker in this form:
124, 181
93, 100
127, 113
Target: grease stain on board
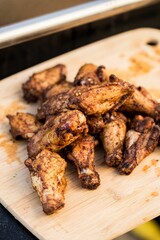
11, 108
153, 163
10, 147
154, 194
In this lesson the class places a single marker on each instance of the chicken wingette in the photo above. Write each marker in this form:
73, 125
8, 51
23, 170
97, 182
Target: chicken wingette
38, 82
81, 152
140, 141
93, 100
23, 125
47, 171
112, 137
141, 103
58, 132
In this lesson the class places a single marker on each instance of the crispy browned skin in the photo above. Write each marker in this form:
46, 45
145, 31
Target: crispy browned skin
56, 89
112, 137
82, 154
58, 132
95, 124
141, 103
35, 86
23, 125
93, 100
99, 99
142, 124
47, 174
54, 105
138, 145
86, 76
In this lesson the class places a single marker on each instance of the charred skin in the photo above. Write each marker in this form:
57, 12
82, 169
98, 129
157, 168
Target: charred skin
35, 86
95, 124
113, 137
81, 152
54, 105
93, 100
55, 90
23, 125
142, 124
102, 74
139, 145
47, 171
58, 132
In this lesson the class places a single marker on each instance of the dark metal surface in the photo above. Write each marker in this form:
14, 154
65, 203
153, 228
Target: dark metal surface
65, 19
22, 56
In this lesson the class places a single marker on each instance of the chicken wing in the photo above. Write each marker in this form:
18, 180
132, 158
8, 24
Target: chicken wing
112, 137
58, 132
23, 125
93, 100
90, 74
86, 76
99, 99
47, 175
82, 154
56, 89
140, 102
35, 86
139, 145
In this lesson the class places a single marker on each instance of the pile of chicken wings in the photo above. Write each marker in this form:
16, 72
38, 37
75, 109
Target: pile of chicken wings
73, 118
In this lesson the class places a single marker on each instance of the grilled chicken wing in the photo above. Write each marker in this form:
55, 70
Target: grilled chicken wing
139, 144
112, 137
93, 100
90, 74
82, 154
99, 99
47, 175
23, 125
35, 86
56, 89
86, 76
58, 132
141, 102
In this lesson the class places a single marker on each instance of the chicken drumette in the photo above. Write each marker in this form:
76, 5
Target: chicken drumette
35, 86
140, 141
81, 152
113, 136
47, 174
58, 132
23, 125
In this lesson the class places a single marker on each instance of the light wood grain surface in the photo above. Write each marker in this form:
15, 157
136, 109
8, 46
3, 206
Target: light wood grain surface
121, 202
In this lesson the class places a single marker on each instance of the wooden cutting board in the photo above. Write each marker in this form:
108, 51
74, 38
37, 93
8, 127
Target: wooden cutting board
121, 202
